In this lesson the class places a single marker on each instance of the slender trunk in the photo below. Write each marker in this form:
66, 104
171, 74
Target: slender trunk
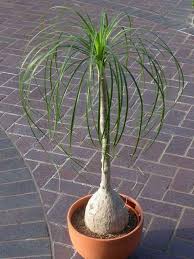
105, 212
104, 132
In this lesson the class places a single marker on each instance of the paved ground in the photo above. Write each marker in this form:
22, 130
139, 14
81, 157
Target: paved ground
166, 190
23, 230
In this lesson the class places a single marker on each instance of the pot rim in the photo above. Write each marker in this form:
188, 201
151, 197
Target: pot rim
139, 225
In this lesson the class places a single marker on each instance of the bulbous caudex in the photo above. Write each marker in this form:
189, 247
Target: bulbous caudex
106, 212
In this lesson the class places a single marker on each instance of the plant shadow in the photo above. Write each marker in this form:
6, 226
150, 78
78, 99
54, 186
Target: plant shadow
164, 244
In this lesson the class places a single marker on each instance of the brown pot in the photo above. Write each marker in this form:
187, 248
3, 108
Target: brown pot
114, 248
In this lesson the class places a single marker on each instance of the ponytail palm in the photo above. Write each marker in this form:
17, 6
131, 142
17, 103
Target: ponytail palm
112, 61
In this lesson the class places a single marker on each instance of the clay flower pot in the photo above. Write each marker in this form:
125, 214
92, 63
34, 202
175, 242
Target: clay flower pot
115, 248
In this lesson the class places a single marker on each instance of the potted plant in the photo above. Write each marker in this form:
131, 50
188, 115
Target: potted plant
113, 62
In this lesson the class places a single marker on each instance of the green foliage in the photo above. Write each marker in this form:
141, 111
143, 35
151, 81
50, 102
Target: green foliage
111, 49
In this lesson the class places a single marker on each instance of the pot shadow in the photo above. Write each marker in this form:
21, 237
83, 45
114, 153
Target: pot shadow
164, 244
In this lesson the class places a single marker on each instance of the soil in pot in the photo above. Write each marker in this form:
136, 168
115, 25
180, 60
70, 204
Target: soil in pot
79, 224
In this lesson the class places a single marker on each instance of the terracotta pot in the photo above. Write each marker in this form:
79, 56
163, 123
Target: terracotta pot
114, 248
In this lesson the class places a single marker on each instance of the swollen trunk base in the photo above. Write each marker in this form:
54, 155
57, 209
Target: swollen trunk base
106, 212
